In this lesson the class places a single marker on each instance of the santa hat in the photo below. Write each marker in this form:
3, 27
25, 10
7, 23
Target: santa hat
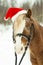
13, 13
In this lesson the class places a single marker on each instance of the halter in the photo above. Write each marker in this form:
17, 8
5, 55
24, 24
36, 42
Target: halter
29, 38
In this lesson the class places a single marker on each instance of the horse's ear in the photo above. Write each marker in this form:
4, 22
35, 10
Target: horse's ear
29, 13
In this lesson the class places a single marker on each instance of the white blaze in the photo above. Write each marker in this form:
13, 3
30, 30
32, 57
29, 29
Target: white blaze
19, 24
19, 29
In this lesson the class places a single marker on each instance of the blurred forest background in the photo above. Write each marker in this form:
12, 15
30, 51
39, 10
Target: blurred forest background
35, 5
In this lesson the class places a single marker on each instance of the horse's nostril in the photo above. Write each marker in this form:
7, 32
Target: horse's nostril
21, 48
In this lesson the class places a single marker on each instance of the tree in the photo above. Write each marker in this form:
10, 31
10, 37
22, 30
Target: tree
37, 10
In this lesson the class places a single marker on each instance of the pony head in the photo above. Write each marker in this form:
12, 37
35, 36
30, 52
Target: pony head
22, 25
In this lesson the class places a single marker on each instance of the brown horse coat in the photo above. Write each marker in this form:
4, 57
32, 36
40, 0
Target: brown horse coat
36, 45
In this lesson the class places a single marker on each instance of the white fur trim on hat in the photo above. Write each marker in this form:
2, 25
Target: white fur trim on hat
19, 13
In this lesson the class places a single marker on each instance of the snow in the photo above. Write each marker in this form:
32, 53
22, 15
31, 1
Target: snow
6, 46
7, 56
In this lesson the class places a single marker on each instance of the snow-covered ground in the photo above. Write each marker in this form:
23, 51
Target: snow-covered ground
7, 56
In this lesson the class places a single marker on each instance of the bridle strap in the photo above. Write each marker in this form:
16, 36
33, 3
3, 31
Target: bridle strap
29, 38
23, 55
23, 35
15, 58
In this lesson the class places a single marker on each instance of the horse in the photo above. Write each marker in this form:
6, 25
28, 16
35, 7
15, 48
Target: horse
25, 23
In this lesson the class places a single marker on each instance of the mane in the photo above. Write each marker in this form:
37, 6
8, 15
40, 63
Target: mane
36, 24
37, 30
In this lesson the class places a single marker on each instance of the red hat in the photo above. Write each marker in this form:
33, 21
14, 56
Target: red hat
12, 13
